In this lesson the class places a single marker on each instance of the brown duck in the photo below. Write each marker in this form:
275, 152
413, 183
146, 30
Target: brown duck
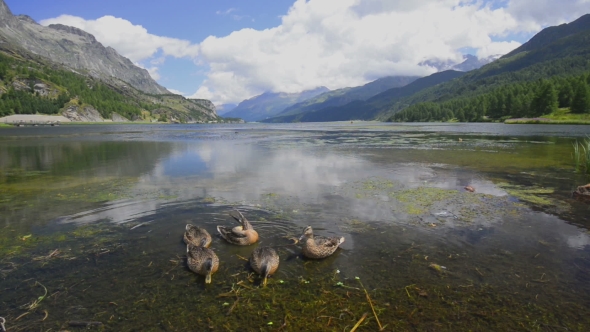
202, 261
318, 246
242, 235
197, 236
265, 261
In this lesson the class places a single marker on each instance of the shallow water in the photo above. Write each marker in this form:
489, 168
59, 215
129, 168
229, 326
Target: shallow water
95, 215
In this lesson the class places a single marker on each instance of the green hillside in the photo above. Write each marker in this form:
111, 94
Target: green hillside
33, 85
542, 77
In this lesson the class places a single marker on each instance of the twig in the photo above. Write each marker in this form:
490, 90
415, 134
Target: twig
359, 322
481, 274
232, 307
21, 316
372, 308
406, 288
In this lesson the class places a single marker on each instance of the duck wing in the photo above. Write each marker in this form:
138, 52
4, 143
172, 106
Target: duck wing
328, 242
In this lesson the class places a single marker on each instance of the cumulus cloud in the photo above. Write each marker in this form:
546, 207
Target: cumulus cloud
536, 14
337, 43
176, 92
131, 41
349, 42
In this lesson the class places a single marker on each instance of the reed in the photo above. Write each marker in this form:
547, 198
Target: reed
582, 155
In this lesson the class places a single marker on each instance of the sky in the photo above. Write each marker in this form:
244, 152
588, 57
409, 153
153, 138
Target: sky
231, 50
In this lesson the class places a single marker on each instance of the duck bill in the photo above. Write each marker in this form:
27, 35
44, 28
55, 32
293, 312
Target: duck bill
264, 281
208, 278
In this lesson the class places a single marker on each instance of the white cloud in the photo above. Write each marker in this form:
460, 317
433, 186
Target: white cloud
349, 42
176, 91
131, 41
495, 48
226, 12
337, 43
536, 14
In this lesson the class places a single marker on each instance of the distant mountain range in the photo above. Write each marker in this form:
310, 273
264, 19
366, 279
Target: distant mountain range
225, 108
269, 104
470, 62
288, 110
343, 96
370, 108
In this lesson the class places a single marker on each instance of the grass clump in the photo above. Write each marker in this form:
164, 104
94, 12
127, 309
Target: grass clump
582, 155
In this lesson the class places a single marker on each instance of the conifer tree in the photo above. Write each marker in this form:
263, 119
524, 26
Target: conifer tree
581, 100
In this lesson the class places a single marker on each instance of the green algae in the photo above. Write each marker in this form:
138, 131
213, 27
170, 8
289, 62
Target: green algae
420, 200
533, 195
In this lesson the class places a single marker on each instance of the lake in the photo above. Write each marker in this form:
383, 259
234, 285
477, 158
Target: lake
92, 218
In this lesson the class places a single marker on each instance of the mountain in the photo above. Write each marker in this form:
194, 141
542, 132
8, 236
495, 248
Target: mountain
370, 108
225, 108
472, 62
269, 104
35, 83
552, 34
469, 62
343, 96
73, 48
524, 82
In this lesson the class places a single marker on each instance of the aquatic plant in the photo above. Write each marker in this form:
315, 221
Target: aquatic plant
582, 155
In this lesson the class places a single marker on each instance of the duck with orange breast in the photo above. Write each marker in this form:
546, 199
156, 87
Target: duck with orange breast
241, 235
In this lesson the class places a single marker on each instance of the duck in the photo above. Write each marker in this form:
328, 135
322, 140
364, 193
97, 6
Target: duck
202, 261
197, 236
319, 246
265, 261
242, 235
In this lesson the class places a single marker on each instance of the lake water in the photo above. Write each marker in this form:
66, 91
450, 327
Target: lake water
92, 217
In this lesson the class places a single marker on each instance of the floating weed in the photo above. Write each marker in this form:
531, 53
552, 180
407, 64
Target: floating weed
536, 196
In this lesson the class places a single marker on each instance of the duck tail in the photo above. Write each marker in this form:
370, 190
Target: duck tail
209, 268
238, 216
341, 240
221, 231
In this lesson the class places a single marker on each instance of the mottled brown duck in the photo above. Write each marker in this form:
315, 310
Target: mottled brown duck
318, 246
197, 236
202, 261
265, 261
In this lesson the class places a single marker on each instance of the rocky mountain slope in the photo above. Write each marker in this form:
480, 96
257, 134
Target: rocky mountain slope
74, 48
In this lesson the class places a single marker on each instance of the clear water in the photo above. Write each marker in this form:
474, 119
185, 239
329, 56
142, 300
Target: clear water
95, 215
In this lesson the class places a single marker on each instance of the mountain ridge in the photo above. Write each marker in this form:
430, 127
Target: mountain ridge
73, 48
268, 104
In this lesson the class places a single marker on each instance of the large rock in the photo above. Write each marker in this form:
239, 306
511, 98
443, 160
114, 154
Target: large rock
74, 48
86, 114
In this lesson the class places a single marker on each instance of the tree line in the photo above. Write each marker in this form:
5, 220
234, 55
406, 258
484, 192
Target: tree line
515, 100
71, 86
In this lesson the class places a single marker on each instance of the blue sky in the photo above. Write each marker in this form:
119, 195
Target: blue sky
230, 50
